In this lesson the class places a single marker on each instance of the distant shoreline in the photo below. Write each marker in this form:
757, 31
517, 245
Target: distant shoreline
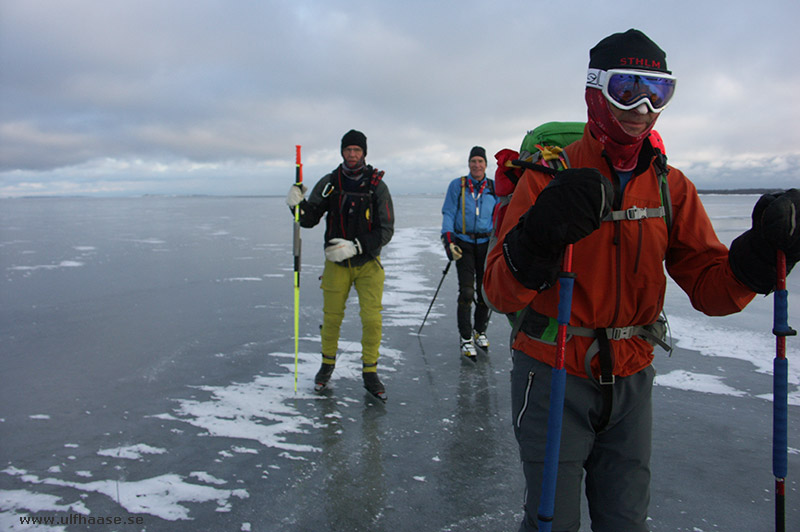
732, 192
738, 191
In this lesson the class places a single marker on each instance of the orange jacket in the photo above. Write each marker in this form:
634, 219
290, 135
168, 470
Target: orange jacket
619, 268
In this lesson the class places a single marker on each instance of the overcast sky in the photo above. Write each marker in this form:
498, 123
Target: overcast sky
139, 97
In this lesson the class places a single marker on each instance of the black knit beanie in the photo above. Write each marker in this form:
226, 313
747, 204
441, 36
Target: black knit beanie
477, 151
630, 50
355, 138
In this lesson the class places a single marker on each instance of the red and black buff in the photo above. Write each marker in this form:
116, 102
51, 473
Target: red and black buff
631, 50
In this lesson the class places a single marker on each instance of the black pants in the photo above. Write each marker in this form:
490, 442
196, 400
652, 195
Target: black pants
470, 278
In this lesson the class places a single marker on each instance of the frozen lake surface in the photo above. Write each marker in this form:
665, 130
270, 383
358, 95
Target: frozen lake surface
148, 375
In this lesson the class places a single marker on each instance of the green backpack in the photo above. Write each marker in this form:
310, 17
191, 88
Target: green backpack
550, 135
543, 150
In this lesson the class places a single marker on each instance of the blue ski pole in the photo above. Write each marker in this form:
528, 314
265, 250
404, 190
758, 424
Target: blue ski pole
557, 387
780, 443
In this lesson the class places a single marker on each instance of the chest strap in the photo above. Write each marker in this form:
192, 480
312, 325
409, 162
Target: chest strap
635, 213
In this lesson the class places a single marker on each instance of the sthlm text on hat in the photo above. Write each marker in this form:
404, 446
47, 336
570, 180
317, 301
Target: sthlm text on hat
632, 49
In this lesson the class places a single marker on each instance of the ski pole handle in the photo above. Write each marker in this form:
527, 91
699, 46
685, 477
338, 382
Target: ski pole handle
566, 282
299, 170
780, 324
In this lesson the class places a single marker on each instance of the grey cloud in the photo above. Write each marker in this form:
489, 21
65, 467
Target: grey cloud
217, 91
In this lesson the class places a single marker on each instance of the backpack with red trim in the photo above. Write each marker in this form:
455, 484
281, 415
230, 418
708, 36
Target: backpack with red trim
543, 150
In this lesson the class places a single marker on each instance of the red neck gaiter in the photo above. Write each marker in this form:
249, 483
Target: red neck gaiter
622, 148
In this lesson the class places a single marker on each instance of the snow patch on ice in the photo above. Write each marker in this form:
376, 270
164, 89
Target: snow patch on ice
62, 264
244, 450
698, 333
131, 452
202, 476
19, 503
160, 496
406, 295
697, 382
153, 241
256, 410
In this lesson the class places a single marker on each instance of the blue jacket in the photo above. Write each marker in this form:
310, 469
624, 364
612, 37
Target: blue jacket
469, 224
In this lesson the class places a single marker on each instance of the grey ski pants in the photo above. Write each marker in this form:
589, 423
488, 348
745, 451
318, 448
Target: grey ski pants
616, 458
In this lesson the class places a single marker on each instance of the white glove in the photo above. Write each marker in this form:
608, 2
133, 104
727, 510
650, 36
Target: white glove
455, 251
341, 249
296, 194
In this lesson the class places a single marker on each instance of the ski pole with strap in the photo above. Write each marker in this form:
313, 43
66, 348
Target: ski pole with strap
557, 387
780, 443
444, 274
296, 247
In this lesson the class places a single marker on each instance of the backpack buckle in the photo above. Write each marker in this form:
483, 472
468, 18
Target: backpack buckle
620, 333
605, 381
635, 213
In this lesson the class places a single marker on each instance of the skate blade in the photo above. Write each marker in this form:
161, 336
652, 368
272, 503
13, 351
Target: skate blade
379, 396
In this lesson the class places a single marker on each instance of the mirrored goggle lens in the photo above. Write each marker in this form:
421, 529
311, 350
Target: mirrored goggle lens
629, 90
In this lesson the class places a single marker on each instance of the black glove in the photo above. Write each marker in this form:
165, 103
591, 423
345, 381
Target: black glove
569, 208
776, 227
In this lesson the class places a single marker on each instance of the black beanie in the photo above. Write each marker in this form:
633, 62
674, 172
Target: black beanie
477, 151
630, 50
355, 138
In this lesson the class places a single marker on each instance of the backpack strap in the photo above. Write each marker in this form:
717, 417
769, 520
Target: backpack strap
640, 213
463, 202
490, 182
662, 170
377, 176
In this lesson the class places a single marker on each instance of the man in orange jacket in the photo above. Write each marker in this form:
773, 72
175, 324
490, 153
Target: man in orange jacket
608, 204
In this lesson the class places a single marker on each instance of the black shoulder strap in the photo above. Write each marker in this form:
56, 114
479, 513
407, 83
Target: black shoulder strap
662, 171
534, 166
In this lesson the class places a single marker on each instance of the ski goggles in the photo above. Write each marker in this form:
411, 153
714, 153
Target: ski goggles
628, 89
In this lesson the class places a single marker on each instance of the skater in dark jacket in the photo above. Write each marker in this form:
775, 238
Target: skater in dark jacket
359, 222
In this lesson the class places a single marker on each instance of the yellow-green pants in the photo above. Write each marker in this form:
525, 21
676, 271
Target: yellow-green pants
336, 283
